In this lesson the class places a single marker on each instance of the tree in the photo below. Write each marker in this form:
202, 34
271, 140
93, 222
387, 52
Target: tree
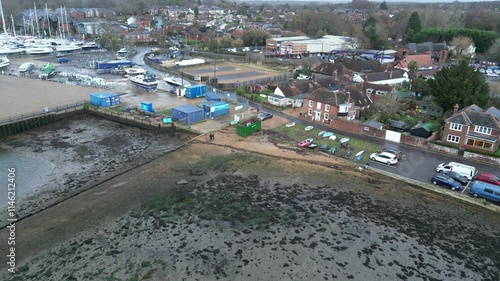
459, 84
370, 31
493, 53
196, 11
412, 68
388, 106
414, 23
383, 6
420, 87
461, 43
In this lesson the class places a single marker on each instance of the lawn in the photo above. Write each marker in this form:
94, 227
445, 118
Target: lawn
295, 134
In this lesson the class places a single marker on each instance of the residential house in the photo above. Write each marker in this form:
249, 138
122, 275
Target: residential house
332, 71
473, 128
376, 91
361, 66
390, 78
324, 104
291, 93
437, 51
425, 65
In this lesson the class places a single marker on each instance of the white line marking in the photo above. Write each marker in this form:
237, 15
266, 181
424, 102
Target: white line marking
119, 184
466, 186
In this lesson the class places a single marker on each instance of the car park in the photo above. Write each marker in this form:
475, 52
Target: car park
457, 177
264, 116
384, 157
394, 151
446, 181
489, 178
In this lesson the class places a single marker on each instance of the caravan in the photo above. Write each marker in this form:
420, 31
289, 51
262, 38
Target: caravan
467, 171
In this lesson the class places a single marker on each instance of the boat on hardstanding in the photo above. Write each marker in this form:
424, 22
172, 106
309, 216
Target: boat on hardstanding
67, 48
135, 70
47, 71
4, 61
26, 67
122, 54
39, 50
145, 81
176, 82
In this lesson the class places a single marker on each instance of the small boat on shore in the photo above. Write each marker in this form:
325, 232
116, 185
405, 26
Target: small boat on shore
176, 82
145, 81
305, 143
4, 61
26, 67
135, 70
320, 134
312, 146
308, 128
291, 124
327, 134
47, 71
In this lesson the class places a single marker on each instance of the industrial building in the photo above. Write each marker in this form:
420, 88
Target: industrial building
302, 44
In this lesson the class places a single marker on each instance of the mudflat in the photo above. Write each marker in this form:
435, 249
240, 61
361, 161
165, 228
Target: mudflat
246, 209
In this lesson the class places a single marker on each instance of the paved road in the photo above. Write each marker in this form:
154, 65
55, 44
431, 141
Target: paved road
416, 164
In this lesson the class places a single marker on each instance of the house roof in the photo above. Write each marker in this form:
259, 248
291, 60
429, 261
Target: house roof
426, 126
326, 96
424, 60
386, 75
328, 68
374, 124
494, 111
473, 115
362, 66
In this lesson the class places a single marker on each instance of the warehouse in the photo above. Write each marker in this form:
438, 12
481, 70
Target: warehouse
303, 44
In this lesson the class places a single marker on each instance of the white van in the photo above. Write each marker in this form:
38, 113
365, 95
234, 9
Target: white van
465, 170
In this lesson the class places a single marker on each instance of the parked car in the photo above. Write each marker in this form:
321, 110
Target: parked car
489, 178
485, 190
394, 151
264, 116
446, 181
384, 157
456, 176
464, 170
303, 77
63, 60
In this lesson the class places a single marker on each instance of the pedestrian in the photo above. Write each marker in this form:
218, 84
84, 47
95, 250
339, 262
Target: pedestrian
159, 127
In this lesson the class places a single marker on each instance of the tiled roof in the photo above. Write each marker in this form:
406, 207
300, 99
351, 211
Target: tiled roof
424, 60
327, 97
473, 115
494, 111
387, 75
362, 66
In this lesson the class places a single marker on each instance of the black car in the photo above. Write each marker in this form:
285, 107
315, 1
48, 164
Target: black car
264, 116
456, 176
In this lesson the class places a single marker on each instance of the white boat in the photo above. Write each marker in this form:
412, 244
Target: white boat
39, 50
90, 46
176, 81
308, 128
122, 54
190, 62
4, 61
67, 48
26, 67
291, 124
145, 81
135, 70
7, 50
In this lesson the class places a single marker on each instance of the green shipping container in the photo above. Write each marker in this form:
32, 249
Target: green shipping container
247, 127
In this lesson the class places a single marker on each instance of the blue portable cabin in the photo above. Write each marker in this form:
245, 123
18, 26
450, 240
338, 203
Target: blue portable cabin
212, 97
104, 99
215, 109
195, 91
147, 106
188, 114
112, 64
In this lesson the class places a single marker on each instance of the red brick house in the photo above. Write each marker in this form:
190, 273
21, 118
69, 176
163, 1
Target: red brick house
472, 128
324, 104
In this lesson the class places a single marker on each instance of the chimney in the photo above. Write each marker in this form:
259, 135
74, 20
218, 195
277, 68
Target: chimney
455, 108
348, 99
311, 88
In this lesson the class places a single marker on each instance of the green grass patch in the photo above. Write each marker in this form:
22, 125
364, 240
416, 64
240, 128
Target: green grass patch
293, 135
166, 112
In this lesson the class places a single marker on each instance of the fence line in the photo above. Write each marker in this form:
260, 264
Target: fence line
45, 111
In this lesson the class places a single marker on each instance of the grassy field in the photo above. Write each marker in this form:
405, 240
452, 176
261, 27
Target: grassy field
295, 134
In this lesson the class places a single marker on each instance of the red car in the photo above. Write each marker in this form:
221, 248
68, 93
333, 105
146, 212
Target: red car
490, 178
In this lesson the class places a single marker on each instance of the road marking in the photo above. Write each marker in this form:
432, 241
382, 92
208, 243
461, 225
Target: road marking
466, 186
119, 184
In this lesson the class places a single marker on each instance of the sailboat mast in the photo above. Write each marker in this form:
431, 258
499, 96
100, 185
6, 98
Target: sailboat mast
13, 26
36, 19
66, 18
48, 20
3, 19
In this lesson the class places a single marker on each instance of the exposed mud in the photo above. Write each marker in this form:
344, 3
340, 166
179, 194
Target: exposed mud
81, 151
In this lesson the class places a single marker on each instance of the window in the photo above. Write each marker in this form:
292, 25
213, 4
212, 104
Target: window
470, 142
327, 116
482, 130
452, 138
310, 103
327, 107
479, 143
456, 127
318, 105
310, 111
488, 190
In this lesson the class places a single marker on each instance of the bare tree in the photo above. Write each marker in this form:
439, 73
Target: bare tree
460, 44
